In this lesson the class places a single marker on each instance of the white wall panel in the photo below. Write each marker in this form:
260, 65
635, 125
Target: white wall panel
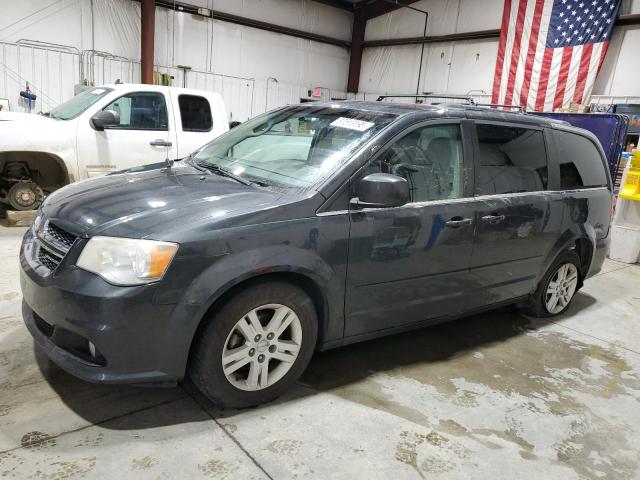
445, 17
215, 50
49, 21
451, 67
619, 73
472, 66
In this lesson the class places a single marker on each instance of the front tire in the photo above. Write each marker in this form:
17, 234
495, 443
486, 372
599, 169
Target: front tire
256, 346
557, 288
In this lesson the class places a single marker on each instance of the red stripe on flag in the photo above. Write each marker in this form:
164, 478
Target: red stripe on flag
583, 72
543, 82
531, 53
515, 52
497, 78
562, 78
603, 51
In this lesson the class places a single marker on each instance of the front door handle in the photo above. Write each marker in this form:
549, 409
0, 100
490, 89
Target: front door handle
456, 222
493, 218
160, 143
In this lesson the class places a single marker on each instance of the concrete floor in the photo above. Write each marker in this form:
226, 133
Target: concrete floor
491, 396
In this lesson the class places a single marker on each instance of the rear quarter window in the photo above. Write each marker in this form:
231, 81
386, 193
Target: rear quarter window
579, 160
195, 113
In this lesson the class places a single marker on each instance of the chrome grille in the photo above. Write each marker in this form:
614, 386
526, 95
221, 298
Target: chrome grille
48, 258
51, 245
59, 236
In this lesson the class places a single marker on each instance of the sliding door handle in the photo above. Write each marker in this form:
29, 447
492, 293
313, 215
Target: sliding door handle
160, 143
459, 222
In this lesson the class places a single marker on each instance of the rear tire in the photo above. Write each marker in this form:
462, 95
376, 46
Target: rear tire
270, 326
557, 288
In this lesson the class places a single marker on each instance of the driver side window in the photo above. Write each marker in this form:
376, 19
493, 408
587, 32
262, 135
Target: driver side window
140, 111
430, 159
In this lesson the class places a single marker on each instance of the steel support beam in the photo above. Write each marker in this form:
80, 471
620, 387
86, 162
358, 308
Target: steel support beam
147, 29
454, 37
357, 42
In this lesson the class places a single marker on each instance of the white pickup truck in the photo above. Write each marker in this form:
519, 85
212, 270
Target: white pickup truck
101, 130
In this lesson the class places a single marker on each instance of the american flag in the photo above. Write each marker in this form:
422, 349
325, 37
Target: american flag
551, 50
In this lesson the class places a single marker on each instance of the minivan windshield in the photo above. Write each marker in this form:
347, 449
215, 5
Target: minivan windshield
293, 147
78, 104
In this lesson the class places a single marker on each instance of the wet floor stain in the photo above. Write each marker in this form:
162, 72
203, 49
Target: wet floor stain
143, 463
218, 468
90, 440
285, 446
511, 386
230, 427
37, 440
66, 470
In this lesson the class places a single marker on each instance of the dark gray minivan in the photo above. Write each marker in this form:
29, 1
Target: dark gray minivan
311, 227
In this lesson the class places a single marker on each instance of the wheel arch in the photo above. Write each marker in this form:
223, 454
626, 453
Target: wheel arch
51, 170
579, 238
299, 278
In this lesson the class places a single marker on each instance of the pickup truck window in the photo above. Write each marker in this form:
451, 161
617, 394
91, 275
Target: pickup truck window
195, 113
512, 160
78, 104
296, 146
140, 111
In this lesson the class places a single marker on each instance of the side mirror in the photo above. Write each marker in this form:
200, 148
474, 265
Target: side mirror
379, 190
104, 118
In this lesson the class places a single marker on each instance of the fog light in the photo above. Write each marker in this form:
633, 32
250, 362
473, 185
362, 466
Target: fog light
92, 349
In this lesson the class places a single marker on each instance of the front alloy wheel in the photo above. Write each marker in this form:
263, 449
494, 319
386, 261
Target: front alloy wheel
254, 344
561, 288
262, 347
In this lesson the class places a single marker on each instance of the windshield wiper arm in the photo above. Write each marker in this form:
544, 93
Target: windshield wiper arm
223, 172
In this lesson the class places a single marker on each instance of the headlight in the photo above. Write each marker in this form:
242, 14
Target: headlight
127, 261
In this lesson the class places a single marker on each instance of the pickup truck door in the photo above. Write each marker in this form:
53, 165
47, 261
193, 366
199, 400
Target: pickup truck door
197, 120
146, 134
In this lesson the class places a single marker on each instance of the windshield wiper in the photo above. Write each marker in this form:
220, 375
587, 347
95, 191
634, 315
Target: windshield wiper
218, 170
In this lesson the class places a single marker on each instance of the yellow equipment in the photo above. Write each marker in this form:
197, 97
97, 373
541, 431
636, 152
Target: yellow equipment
631, 188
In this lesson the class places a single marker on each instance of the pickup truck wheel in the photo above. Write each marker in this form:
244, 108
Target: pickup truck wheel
557, 288
256, 346
25, 196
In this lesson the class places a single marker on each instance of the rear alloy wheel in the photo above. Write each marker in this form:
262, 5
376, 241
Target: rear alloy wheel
255, 345
25, 196
557, 288
561, 288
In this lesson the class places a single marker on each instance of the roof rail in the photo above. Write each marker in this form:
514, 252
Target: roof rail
500, 105
454, 97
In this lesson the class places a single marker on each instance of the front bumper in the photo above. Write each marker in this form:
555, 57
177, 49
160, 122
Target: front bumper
136, 339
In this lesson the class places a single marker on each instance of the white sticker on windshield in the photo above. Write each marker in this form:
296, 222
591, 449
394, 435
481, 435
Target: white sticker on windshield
97, 91
352, 124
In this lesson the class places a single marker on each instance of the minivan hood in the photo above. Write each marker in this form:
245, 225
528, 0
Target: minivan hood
153, 202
